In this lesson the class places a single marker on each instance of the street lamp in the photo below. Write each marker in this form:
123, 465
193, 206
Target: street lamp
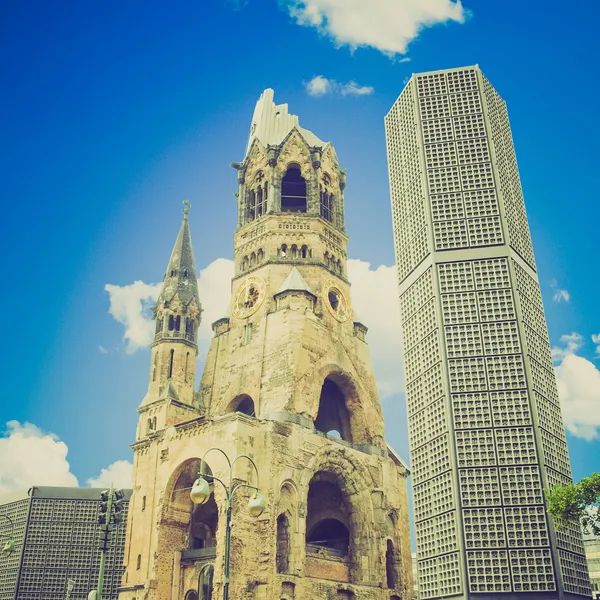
9, 545
201, 493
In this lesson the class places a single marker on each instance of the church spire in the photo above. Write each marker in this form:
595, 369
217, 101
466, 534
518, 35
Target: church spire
180, 276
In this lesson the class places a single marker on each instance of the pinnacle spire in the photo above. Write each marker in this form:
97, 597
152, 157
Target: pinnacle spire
180, 276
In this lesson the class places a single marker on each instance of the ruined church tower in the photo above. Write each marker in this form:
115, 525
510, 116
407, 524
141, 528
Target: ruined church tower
288, 382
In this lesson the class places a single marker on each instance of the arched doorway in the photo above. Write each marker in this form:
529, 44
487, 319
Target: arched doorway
333, 417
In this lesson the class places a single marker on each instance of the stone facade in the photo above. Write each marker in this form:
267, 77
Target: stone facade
288, 382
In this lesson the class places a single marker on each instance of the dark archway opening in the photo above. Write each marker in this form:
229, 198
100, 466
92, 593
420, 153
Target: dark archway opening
390, 566
330, 533
244, 404
282, 558
333, 414
293, 191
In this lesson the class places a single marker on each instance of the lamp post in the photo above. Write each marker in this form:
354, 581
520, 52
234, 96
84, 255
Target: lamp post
9, 545
201, 493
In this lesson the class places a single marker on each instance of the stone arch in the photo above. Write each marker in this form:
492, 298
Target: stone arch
286, 526
242, 403
294, 189
205, 582
355, 429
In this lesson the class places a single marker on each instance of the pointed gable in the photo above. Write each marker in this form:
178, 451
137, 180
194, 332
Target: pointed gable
294, 282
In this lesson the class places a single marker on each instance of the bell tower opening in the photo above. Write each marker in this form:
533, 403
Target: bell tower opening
293, 190
333, 417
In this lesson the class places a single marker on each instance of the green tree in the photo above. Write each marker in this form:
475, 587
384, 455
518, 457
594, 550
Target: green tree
576, 502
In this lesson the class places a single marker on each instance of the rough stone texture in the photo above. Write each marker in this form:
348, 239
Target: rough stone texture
299, 361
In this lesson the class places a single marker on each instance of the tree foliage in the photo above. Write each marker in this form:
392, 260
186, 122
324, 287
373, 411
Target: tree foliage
576, 502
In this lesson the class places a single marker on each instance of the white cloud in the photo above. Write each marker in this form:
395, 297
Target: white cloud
102, 350
379, 312
119, 475
572, 341
320, 86
596, 340
578, 382
129, 305
386, 25
560, 295
28, 456
375, 301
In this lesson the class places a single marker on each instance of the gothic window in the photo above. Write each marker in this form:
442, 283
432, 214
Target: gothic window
250, 205
266, 194
283, 544
259, 203
293, 190
189, 329
326, 205
245, 264
185, 374
283, 250
294, 251
155, 366
253, 259
139, 562
159, 325
304, 252
333, 414
178, 323
326, 258
171, 322
260, 256
390, 566
205, 583
172, 356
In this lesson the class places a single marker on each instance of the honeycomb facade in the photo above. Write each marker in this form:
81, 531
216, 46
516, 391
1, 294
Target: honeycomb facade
485, 424
57, 539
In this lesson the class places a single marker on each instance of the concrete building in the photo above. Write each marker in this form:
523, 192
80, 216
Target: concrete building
592, 554
56, 533
485, 425
288, 382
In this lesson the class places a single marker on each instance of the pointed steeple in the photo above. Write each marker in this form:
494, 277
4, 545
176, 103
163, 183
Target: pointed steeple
180, 276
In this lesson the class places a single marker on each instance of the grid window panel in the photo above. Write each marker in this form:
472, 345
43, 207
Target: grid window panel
556, 454
443, 180
568, 537
475, 448
434, 107
575, 573
467, 375
526, 526
521, 485
440, 155
501, 338
496, 305
476, 176
41, 510
430, 350
550, 417
544, 382
425, 389
483, 528
538, 348
462, 80
437, 130
488, 571
480, 203
433, 84
455, 277
434, 496
485, 231
450, 235
431, 459
505, 372
532, 570
479, 487
428, 423
449, 575
528, 286
468, 127
466, 103
463, 340
437, 535
459, 308
471, 411
473, 151
491, 273
421, 324
556, 478
416, 295
447, 207
515, 446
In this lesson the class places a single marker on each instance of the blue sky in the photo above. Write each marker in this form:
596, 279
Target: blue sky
112, 113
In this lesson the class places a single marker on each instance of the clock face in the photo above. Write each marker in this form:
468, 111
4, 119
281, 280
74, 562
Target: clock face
335, 301
249, 297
